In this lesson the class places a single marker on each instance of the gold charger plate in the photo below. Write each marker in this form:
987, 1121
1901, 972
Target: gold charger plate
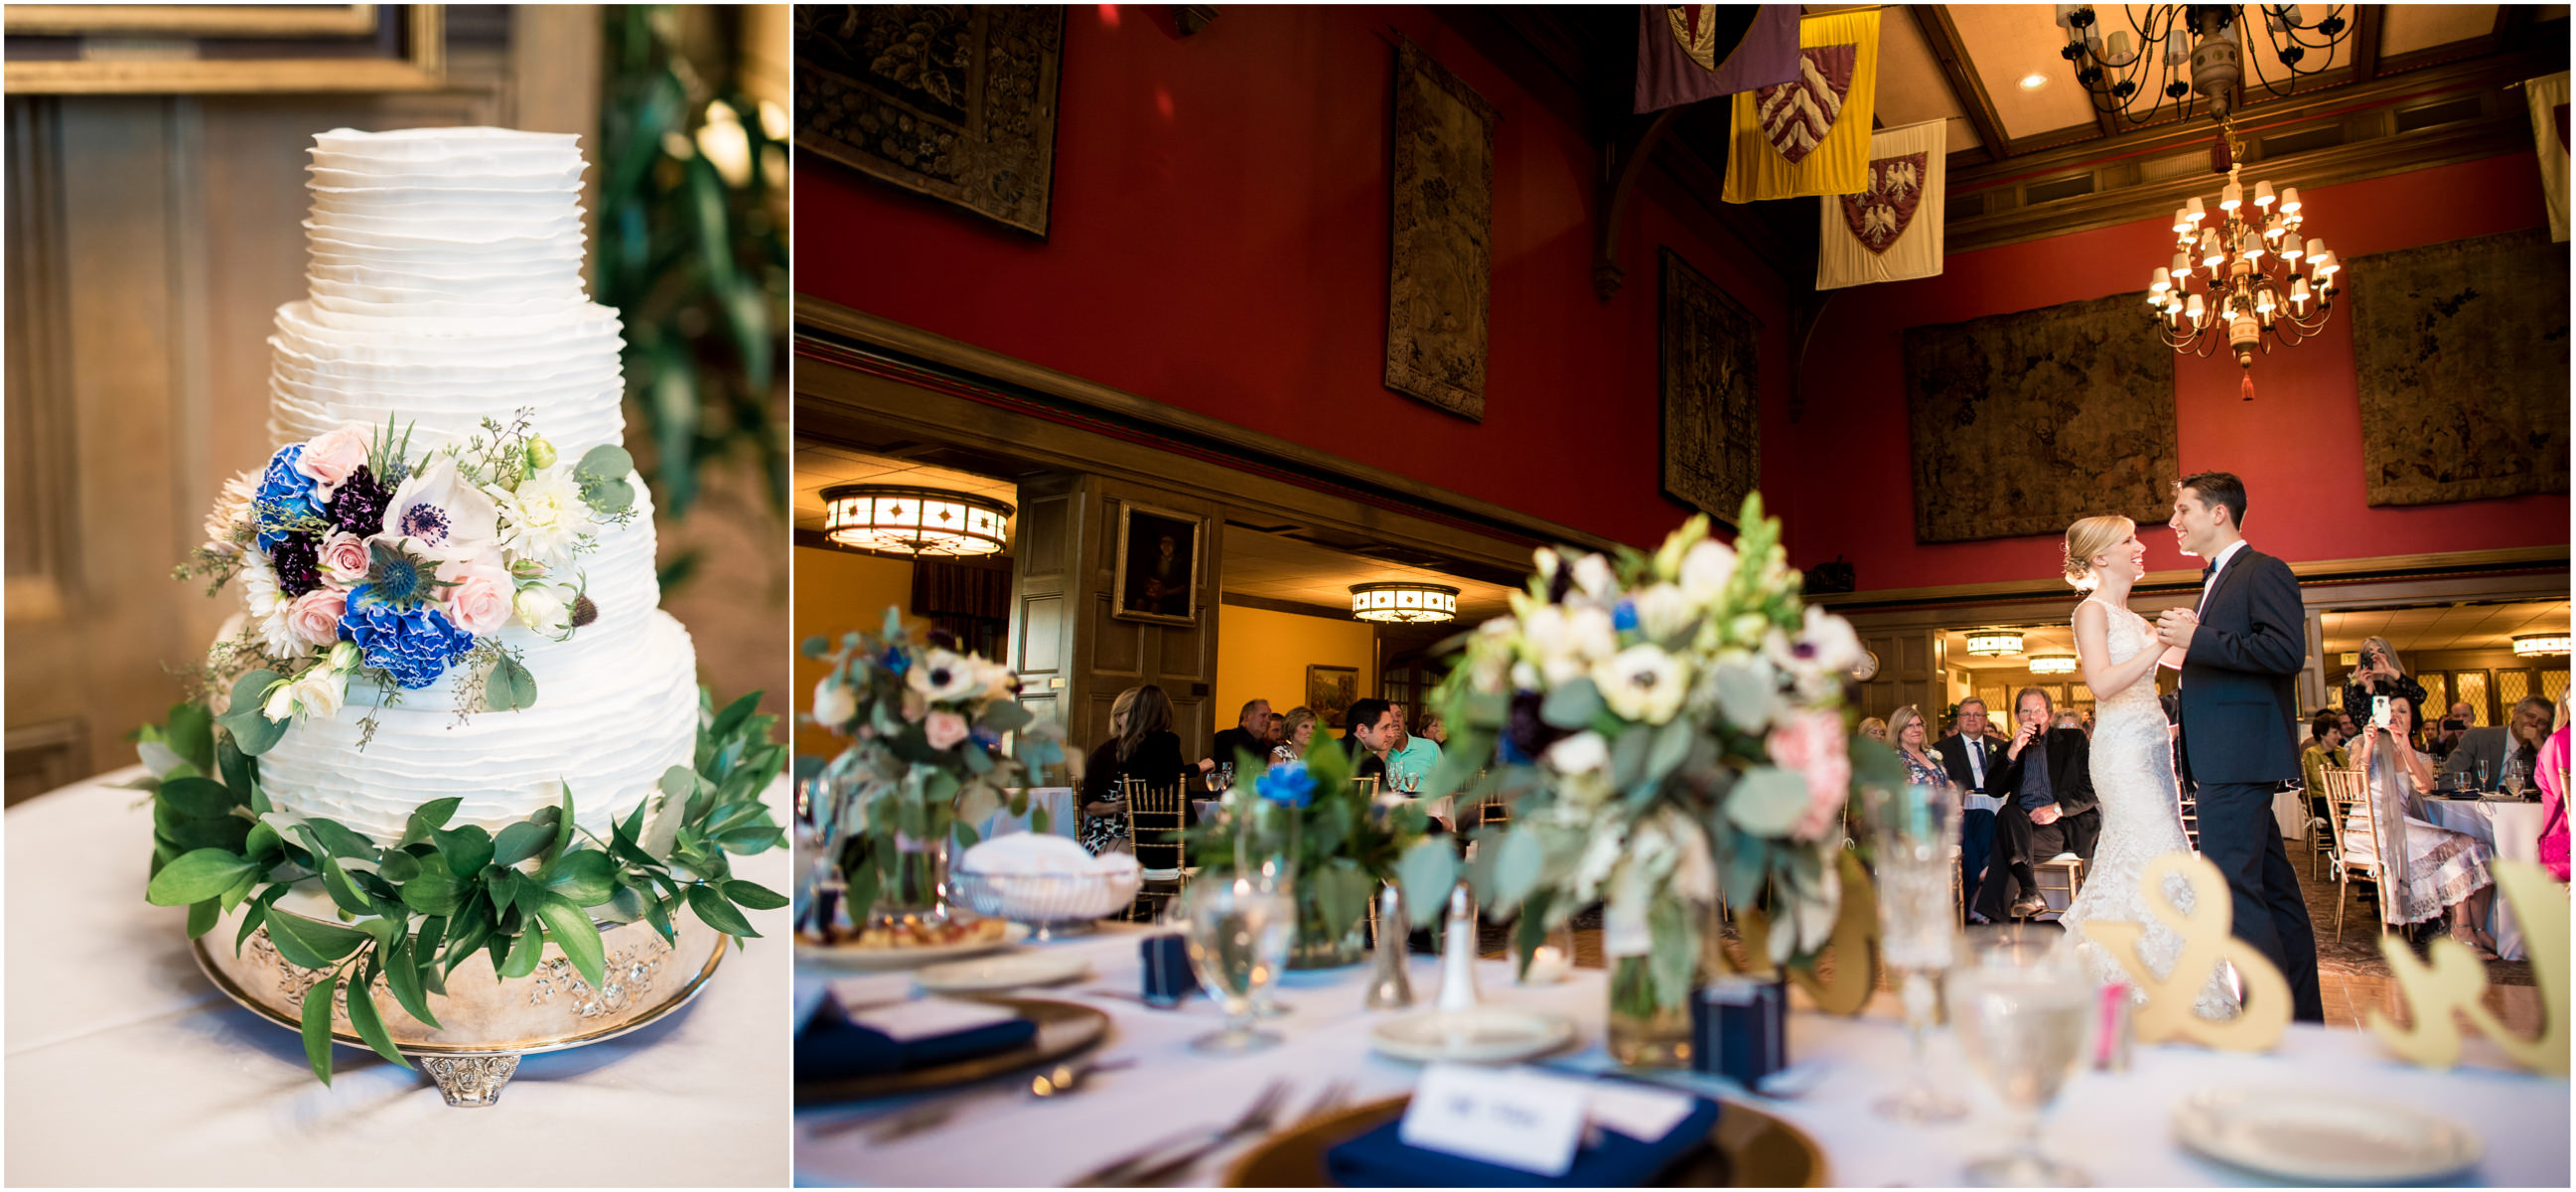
1063, 1029
1750, 1149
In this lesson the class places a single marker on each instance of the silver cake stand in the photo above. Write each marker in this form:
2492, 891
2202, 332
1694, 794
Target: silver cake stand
485, 1023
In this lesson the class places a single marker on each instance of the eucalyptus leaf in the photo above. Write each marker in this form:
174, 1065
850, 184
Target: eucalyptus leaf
508, 687
250, 727
190, 733
1519, 860
317, 1026
1427, 872
1572, 706
1767, 801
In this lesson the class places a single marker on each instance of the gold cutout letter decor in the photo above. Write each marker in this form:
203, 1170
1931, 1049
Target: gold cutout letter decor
1853, 945
2208, 936
2454, 986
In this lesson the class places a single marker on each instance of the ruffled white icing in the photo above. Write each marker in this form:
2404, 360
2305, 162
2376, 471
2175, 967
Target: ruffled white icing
444, 288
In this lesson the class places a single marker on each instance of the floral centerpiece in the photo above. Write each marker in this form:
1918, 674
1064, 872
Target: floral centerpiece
1669, 730
1338, 848
361, 564
926, 760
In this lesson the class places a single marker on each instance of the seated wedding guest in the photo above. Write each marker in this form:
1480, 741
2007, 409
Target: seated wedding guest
1142, 745
1412, 757
1434, 728
2343, 720
2325, 751
2428, 869
1375, 729
2070, 720
1249, 735
1906, 730
2445, 738
2517, 741
1274, 732
2381, 673
2049, 809
2552, 777
1971, 759
1296, 732
1873, 728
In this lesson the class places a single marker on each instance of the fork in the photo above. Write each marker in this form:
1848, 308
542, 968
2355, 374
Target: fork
1139, 1166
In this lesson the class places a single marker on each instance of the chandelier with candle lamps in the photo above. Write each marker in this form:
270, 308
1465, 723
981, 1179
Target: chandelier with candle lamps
2246, 276
2194, 53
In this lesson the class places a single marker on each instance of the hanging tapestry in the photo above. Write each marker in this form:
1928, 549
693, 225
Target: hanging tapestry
1440, 280
1712, 409
2460, 351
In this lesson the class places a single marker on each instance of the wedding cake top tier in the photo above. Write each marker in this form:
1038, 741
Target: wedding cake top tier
477, 223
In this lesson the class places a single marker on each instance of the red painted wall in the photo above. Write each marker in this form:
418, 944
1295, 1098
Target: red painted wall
1219, 242
1843, 475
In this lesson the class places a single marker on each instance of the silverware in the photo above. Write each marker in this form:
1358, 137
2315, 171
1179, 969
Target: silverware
1334, 1095
1062, 1080
1157, 1160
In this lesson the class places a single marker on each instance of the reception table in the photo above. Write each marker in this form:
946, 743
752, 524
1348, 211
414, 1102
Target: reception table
2113, 1124
2510, 830
126, 1066
1063, 818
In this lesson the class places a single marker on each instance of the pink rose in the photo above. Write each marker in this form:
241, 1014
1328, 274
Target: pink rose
314, 617
945, 729
1813, 745
479, 602
344, 559
330, 458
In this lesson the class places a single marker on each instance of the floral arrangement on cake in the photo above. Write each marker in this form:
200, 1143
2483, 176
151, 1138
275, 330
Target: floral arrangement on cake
359, 563
926, 760
1669, 728
411, 911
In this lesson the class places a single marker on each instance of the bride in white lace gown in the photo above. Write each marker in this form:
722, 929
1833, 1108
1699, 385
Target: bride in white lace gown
2132, 759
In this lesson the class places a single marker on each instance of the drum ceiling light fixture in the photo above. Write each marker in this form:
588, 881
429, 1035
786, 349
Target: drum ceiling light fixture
1404, 602
1994, 643
911, 520
2052, 664
2539, 645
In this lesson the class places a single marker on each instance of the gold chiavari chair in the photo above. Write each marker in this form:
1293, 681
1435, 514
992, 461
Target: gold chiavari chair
2355, 823
1155, 817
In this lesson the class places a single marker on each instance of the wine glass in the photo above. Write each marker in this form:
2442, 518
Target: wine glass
2485, 774
1914, 827
2512, 780
2022, 1006
1238, 940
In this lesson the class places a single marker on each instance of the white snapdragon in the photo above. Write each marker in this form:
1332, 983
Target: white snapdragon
1593, 576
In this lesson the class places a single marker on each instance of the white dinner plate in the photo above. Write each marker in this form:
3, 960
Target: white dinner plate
1484, 1035
2324, 1137
852, 956
1009, 970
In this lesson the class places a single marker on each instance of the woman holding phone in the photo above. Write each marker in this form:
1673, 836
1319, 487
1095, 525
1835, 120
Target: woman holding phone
2428, 869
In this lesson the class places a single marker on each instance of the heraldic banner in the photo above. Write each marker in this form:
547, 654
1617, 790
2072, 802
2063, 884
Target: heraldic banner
1891, 230
1690, 52
1810, 136
2547, 96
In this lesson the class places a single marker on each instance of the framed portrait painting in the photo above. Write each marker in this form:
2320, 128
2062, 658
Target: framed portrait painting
1158, 565
1330, 691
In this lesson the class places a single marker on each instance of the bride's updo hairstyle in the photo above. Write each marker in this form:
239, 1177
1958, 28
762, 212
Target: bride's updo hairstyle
2091, 537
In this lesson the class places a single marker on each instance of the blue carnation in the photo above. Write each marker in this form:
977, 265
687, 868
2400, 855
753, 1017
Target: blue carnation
284, 495
414, 645
1287, 784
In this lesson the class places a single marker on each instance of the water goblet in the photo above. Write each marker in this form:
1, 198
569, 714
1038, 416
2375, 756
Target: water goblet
2485, 775
1914, 828
2022, 1006
1238, 935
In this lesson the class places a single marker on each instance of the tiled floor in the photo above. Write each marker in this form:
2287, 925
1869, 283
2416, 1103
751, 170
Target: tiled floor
2353, 977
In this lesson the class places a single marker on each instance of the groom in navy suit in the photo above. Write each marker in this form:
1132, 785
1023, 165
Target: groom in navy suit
2241, 648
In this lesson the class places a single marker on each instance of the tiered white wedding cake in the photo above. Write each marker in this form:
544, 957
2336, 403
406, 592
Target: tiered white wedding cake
447, 336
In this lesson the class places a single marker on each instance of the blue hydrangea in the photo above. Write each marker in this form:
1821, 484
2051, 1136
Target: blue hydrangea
414, 645
1287, 784
284, 495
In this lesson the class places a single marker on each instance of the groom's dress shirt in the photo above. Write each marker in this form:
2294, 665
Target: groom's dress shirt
2216, 567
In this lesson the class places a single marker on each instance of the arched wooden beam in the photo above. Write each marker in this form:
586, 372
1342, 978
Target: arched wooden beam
1623, 158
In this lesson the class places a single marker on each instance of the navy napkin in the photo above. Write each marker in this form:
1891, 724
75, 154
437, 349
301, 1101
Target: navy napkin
833, 1047
1382, 1159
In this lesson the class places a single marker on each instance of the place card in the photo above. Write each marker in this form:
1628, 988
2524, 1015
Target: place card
929, 1018
860, 993
1510, 1118
1645, 1114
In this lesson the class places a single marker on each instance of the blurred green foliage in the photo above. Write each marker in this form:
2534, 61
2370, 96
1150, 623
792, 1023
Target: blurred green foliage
695, 262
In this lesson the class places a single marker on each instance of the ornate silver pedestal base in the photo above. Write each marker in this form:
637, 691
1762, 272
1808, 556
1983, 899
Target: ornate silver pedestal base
470, 1081
486, 1022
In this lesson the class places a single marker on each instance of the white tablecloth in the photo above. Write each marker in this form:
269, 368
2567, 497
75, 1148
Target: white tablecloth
2511, 831
2290, 811
2113, 1124
125, 1066
1063, 818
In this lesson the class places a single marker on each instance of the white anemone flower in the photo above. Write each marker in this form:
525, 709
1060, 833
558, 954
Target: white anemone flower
1643, 683
450, 520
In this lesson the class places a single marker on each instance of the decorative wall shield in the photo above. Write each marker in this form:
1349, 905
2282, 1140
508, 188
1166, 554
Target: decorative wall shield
1440, 281
1712, 410
2461, 354
2024, 422
957, 102
1879, 215
1796, 117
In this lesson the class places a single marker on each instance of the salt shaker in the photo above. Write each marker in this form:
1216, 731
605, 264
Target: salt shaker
1390, 988
1458, 953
